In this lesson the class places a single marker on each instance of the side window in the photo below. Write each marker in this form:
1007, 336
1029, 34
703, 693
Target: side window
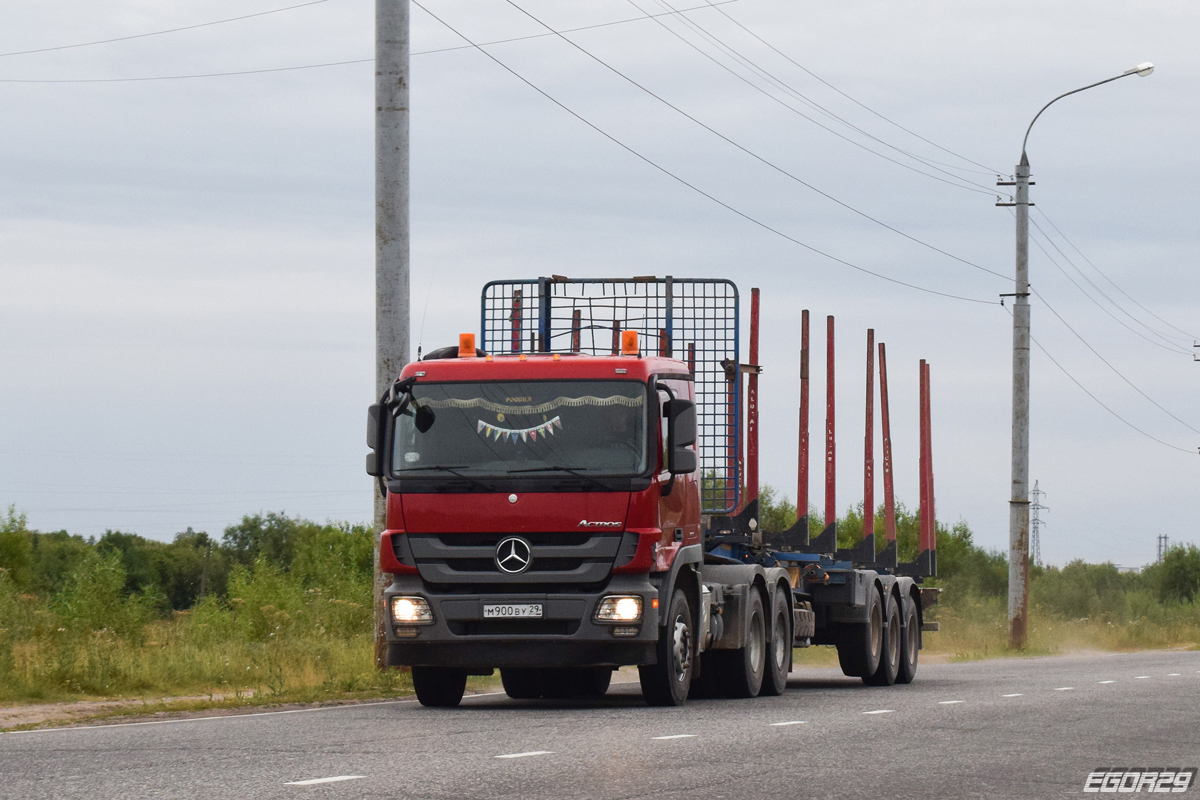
663, 397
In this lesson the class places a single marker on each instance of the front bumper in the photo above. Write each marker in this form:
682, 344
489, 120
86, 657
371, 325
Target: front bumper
565, 636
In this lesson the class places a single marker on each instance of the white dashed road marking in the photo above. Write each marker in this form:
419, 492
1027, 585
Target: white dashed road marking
1107, 681
1018, 694
791, 722
1172, 674
1141, 677
334, 779
950, 702
882, 711
675, 736
1064, 688
530, 753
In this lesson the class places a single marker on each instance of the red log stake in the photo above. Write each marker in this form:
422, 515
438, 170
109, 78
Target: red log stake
889, 493
869, 450
802, 472
752, 404
931, 533
830, 447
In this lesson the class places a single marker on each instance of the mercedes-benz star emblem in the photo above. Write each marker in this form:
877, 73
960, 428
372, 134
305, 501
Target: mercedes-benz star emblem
513, 555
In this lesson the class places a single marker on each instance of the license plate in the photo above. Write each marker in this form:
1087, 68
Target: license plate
492, 611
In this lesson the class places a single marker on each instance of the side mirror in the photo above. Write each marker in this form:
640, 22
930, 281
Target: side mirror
376, 428
681, 433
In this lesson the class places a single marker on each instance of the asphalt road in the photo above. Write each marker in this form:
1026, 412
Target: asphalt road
1022, 728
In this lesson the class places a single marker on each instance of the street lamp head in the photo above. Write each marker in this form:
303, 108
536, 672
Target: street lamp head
1142, 70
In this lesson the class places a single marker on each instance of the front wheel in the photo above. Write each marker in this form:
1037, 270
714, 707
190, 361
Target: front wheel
667, 682
439, 687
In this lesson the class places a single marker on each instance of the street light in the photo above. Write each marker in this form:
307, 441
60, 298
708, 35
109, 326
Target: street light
1018, 509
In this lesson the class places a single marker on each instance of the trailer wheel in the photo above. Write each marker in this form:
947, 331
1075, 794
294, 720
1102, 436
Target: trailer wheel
859, 644
910, 638
667, 682
439, 687
521, 684
889, 661
779, 649
742, 673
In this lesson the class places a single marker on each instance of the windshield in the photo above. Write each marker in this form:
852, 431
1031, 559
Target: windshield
523, 428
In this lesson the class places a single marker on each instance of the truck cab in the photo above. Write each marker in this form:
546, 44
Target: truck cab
535, 505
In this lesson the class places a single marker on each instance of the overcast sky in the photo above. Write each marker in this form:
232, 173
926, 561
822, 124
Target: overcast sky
187, 266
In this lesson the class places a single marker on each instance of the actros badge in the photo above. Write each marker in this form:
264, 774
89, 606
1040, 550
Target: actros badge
513, 555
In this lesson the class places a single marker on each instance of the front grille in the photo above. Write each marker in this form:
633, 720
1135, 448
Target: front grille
571, 558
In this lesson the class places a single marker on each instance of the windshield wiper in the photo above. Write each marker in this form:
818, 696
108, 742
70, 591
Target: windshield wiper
452, 470
569, 470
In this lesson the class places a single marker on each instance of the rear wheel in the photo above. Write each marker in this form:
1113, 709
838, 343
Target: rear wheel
521, 684
779, 650
439, 687
910, 638
707, 684
859, 644
889, 661
667, 682
560, 683
593, 681
742, 675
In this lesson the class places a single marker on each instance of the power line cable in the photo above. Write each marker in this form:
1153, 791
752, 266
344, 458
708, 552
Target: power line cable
750, 152
1164, 338
189, 77
650, 162
812, 74
307, 66
644, 16
1191, 336
1100, 402
1169, 347
779, 83
160, 33
1108, 364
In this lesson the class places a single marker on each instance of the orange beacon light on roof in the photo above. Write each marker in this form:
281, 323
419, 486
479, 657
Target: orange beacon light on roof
466, 345
629, 343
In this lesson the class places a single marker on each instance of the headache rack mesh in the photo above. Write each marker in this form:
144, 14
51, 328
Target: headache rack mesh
692, 319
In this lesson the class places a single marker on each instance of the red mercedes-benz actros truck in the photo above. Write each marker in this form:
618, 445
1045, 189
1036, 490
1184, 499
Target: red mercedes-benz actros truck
565, 499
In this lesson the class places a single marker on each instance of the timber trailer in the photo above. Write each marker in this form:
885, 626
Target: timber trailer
568, 498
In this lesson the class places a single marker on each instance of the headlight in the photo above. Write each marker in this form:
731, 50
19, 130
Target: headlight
619, 609
411, 610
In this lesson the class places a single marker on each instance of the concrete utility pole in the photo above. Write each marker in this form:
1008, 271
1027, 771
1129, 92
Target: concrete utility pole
1018, 514
391, 234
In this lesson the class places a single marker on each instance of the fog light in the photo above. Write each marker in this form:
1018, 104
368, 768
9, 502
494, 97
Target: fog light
413, 610
406, 633
619, 609
623, 631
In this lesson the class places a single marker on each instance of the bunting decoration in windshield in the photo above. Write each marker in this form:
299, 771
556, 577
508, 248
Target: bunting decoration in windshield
490, 431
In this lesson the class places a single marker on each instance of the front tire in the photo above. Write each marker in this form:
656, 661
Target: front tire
667, 682
439, 687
